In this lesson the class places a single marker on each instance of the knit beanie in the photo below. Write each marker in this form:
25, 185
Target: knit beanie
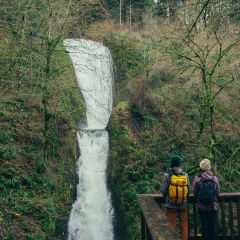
175, 161
205, 165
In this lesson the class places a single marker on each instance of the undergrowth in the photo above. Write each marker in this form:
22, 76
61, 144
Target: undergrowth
36, 195
147, 128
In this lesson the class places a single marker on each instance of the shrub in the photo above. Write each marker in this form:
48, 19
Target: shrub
126, 55
7, 153
5, 137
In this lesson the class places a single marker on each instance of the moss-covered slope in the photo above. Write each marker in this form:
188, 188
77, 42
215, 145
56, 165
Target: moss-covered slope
36, 195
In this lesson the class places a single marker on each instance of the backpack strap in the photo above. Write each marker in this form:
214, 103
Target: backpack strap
183, 195
176, 195
201, 180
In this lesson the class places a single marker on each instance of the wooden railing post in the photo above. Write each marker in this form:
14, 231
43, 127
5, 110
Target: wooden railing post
188, 222
143, 227
230, 210
223, 223
238, 216
148, 234
195, 219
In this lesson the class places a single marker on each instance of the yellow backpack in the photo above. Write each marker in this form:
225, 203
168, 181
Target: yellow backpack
178, 189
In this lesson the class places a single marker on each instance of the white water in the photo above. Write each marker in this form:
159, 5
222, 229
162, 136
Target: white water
91, 215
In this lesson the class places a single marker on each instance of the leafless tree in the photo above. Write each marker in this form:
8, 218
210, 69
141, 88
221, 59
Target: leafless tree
205, 45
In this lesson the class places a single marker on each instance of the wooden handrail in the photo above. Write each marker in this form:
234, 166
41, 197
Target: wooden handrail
155, 225
223, 196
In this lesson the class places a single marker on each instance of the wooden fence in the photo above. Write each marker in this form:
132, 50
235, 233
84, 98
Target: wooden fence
155, 225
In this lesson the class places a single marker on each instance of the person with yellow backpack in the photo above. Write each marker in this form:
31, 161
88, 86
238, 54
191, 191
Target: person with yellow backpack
175, 189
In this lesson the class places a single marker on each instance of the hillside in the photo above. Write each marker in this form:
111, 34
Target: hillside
177, 91
159, 112
36, 194
39, 110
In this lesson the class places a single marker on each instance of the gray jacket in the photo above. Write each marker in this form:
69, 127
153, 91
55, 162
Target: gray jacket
165, 185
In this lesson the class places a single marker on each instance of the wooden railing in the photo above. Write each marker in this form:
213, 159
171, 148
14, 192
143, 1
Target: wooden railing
154, 223
155, 226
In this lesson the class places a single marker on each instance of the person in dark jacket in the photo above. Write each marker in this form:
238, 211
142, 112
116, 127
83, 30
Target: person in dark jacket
173, 211
207, 210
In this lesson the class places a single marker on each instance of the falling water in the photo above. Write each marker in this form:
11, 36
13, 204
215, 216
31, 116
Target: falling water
91, 215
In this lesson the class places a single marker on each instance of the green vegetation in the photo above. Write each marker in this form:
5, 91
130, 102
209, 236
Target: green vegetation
177, 92
36, 194
39, 110
142, 141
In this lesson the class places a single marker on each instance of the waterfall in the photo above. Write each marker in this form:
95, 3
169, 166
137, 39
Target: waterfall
92, 214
